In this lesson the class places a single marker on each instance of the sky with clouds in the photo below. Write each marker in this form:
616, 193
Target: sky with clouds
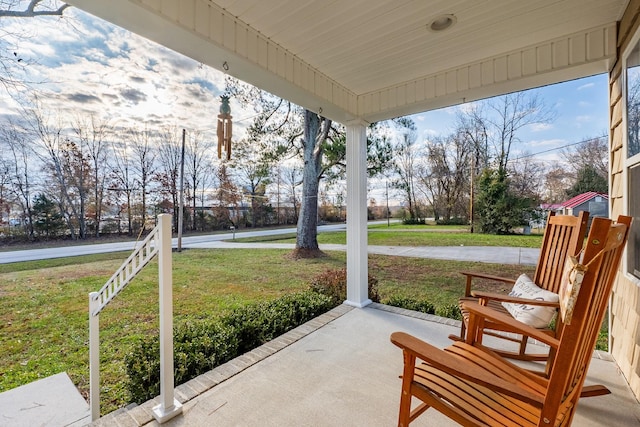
581, 108
94, 67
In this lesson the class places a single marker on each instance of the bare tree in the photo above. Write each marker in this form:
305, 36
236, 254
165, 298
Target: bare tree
556, 182
526, 177
5, 189
122, 181
292, 178
472, 126
91, 134
168, 171
18, 166
144, 154
507, 115
254, 174
405, 165
198, 168
593, 152
12, 63
64, 161
446, 173
77, 168
9, 8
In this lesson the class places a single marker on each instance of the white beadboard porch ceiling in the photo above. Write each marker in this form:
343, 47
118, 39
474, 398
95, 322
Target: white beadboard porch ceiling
377, 59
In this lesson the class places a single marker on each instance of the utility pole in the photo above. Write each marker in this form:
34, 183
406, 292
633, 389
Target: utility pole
471, 200
278, 197
181, 201
386, 184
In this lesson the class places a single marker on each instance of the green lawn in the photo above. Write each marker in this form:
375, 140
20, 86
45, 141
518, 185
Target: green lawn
416, 236
44, 304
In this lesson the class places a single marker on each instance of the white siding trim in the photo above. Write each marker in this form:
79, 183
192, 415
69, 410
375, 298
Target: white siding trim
589, 52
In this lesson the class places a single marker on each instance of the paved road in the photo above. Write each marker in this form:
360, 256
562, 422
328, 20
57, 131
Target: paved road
100, 248
502, 255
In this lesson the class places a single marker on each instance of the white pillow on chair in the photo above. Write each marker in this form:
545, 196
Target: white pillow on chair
532, 315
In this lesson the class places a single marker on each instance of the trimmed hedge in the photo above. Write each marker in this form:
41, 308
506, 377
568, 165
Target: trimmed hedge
200, 346
402, 301
451, 311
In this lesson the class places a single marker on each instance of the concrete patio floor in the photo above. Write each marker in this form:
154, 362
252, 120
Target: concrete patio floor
341, 370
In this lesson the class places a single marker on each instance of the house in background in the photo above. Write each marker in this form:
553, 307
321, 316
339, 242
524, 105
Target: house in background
597, 204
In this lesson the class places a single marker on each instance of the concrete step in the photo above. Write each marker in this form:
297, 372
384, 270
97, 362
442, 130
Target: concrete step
51, 401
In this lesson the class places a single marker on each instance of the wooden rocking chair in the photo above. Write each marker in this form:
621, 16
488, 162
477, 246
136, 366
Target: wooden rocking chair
564, 235
475, 386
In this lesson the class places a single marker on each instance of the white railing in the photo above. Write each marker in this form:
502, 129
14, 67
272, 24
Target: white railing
158, 242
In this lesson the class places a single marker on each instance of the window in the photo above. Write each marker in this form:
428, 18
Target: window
633, 246
632, 161
633, 101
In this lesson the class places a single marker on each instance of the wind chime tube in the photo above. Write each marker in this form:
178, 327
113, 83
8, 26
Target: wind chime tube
220, 132
224, 130
228, 132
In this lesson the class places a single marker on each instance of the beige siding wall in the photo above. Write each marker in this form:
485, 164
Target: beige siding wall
625, 308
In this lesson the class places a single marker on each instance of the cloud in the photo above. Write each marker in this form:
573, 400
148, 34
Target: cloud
151, 64
586, 86
540, 127
430, 132
83, 98
204, 84
134, 95
197, 94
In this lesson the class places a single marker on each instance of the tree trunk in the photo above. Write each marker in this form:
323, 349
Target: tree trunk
307, 236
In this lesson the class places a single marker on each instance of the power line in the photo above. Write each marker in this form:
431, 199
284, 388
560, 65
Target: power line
526, 156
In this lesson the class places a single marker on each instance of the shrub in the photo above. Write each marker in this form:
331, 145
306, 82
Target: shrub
201, 345
414, 221
333, 283
258, 323
402, 301
451, 311
453, 221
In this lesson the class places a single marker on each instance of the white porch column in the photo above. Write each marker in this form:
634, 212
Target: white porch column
357, 263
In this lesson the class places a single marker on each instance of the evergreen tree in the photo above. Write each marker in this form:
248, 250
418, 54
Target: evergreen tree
588, 179
499, 209
48, 221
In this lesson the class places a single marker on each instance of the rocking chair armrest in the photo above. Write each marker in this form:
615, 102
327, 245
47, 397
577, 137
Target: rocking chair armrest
462, 368
506, 298
480, 312
471, 275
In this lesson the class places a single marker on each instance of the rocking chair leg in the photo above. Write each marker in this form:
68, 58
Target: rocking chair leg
594, 390
404, 416
405, 409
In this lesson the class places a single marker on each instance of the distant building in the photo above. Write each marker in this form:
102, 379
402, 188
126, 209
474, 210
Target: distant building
597, 204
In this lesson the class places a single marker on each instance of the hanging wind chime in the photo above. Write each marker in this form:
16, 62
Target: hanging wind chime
224, 128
